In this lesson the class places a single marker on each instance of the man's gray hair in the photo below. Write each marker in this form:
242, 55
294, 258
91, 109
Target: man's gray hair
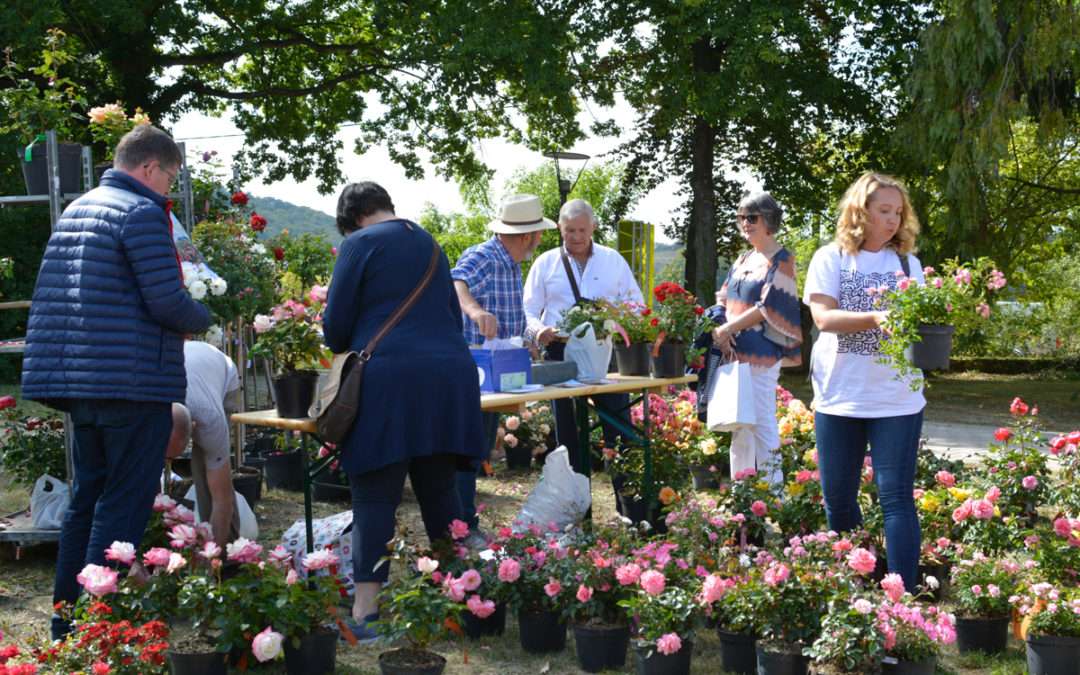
765, 204
574, 208
146, 143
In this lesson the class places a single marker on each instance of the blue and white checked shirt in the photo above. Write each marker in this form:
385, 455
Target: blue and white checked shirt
494, 280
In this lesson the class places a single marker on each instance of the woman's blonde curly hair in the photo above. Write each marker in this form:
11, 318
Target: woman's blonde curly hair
850, 231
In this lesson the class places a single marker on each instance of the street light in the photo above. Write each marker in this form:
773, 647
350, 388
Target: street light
565, 186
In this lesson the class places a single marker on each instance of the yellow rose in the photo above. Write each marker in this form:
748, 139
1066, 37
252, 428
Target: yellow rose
929, 503
795, 489
761, 485
959, 494
806, 428
708, 446
786, 427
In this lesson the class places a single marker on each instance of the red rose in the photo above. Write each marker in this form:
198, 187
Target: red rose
654, 322
1018, 407
699, 310
239, 198
33, 423
7, 402
258, 223
279, 253
1002, 434
646, 312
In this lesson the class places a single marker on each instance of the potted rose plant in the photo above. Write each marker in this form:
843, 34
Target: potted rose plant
663, 618
632, 347
708, 459
731, 603
1051, 627
291, 338
108, 124
850, 640
522, 437
418, 608
981, 588
531, 568
678, 321
913, 633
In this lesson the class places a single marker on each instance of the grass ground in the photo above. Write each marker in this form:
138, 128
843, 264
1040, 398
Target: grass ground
26, 576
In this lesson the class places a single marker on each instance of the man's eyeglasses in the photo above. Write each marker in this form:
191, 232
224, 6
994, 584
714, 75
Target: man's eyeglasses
751, 218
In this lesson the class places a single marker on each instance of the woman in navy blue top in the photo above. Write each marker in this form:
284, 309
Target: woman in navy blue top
420, 404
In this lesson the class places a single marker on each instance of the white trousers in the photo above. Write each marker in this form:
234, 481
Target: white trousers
756, 447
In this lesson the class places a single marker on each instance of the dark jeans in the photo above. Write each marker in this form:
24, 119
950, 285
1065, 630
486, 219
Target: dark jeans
894, 442
466, 480
119, 451
375, 498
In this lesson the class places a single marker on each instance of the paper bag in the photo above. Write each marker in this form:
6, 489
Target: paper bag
731, 400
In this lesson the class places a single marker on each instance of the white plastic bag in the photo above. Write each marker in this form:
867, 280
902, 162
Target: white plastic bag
731, 400
592, 356
48, 502
249, 527
561, 496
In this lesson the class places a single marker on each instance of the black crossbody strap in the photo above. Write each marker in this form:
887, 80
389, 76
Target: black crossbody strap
905, 264
570, 276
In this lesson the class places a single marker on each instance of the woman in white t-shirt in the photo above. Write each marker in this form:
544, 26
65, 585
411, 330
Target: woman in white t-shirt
857, 400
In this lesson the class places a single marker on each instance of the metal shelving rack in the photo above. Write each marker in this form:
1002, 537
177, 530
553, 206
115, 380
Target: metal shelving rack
21, 531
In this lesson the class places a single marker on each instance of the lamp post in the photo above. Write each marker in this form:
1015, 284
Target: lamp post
565, 186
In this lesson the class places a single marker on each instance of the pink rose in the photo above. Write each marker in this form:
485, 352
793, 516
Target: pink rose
479, 607
945, 478
279, 555
510, 440
98, 580
513, 422
211, 550
994, 493
471, 580
983, 310
759, 509
292, 577
320, 560
267, 645
668, 644
653, 582
243, 551
176, 563
863, 606
713, 588
182, 536
156, 557
893, 585
862, 561
455, 588
552, 587
1029, 482
121, 551
627, 574
459, 529
317, 293
777, 574
509, 570
584, 593
903, 284
983, 509
962, 512
163, 503
976, 590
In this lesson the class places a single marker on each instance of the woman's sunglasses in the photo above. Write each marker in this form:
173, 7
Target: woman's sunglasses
751, 218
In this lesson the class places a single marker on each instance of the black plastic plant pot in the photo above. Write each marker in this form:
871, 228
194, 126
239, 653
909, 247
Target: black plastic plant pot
601, 647
294, 393
633, 360
773, 659
541, 632
670, 360
738, 652
933, 351
979, 634
284, 471
651, 662
494, 624
205, 663
316, 654
1052, 655
411, 662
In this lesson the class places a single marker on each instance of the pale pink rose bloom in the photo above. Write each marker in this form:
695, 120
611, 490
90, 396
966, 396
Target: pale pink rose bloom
163, 503
121, 551
893, 585
983, 509
510, 440
210, 550
552, 588
183, 536
1029, 482
976, 590
267, 645
653, 582
983, 310
480, 608
509, 570
863, 606
459, 529
471, 579
584, 593
993, 590
777, 574
280, 555
994, 493
318, 293
426, 565
97, 580
176, 562
713, 588
668, 644
262, 323
628, 574
292, 577
156, 557
945, 478
937, 282
243, 551
862, 561
454, 588
320, 560
513, 422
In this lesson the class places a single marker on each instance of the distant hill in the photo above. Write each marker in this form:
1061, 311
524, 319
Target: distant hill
281, 215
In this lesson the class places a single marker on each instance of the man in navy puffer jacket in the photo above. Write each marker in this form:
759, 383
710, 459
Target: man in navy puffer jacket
105, 343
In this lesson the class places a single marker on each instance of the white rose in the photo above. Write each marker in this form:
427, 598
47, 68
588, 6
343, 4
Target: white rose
190, 272
513, 422
218, 286
197, 289
708, 446
262, 323
545, 429
267, 645
510, 440
258, 248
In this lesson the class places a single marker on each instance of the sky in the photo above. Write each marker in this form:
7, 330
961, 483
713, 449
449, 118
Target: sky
198, 131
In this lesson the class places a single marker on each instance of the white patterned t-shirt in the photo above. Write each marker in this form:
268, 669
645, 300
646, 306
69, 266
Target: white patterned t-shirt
844, 368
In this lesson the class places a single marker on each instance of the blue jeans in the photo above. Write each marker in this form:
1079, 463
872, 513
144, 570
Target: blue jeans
894, 442
466, 480
375, 498
118, 455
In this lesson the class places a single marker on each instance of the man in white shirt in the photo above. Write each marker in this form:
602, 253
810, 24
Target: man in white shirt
213, 389
599, 273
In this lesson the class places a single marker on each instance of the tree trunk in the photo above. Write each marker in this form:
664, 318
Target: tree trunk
701, 232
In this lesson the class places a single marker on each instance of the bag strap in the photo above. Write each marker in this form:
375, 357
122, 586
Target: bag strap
403, 309
905, 264
570, 276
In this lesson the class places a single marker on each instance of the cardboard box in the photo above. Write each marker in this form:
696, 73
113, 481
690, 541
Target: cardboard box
502, 369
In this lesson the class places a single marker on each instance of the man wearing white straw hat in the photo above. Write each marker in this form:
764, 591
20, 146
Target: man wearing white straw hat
487, 279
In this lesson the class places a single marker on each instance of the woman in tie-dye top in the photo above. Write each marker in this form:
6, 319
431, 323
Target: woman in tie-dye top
758, 312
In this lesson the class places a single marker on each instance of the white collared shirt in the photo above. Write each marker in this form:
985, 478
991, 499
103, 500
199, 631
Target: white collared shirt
548, 294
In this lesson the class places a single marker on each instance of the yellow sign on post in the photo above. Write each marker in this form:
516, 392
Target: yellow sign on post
635, 243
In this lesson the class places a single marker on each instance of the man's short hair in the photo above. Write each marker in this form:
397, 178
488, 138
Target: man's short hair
359, 200
574, 208
146, 143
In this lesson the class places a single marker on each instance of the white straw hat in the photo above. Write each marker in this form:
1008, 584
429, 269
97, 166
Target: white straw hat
520, 214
